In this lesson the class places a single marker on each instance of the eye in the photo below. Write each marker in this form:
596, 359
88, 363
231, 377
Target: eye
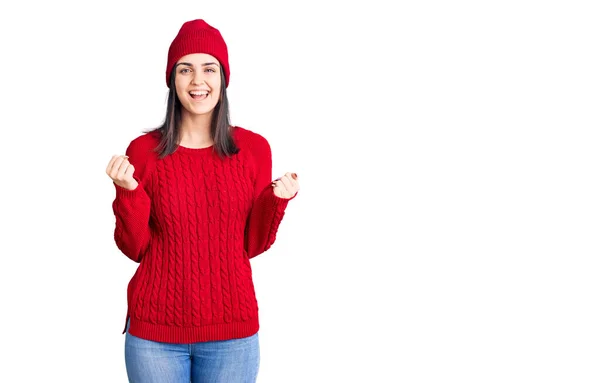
210, 70
185, 70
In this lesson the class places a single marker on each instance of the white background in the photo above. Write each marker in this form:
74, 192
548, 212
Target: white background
447, 224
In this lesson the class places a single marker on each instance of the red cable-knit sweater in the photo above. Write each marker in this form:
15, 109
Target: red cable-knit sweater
193, 224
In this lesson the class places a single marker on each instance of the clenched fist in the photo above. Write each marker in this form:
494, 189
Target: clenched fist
121, 172
286, 186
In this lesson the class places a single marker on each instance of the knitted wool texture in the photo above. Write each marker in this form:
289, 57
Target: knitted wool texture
193, 224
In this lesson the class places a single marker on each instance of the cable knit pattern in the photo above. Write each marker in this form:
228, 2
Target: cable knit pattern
193, 224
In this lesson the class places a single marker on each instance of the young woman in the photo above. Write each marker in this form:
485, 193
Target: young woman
194, 202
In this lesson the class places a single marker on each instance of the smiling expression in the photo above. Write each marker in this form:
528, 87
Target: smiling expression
198, 83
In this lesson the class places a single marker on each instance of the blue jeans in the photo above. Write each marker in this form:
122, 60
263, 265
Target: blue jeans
230, 361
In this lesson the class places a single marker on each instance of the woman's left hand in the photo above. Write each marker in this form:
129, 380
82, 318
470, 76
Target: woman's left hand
286, 186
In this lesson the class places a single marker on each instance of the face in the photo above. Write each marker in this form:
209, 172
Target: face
198, 83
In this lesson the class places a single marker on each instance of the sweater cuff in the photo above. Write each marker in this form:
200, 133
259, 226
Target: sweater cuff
280, 203
121, 192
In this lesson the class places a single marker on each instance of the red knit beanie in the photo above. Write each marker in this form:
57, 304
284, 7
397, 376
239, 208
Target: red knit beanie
196, 36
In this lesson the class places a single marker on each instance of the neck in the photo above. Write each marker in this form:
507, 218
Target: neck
195, 130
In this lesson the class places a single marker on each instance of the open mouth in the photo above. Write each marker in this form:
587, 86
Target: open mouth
199, 95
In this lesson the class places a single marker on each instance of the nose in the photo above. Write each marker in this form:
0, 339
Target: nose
198, 77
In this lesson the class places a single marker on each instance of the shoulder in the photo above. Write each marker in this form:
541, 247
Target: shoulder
143, 146
142, 154
251, 141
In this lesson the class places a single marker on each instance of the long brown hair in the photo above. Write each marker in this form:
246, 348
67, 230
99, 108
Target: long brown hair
220, 126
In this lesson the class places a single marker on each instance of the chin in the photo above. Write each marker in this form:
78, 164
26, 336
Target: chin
200, 111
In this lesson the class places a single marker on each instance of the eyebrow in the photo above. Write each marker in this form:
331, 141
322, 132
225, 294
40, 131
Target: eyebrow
204, 64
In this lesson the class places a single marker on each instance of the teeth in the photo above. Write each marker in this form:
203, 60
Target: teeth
199, 93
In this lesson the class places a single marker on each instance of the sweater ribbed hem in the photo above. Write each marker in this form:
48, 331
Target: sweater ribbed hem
175, 334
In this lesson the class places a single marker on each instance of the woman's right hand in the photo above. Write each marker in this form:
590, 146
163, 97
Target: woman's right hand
121, 172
